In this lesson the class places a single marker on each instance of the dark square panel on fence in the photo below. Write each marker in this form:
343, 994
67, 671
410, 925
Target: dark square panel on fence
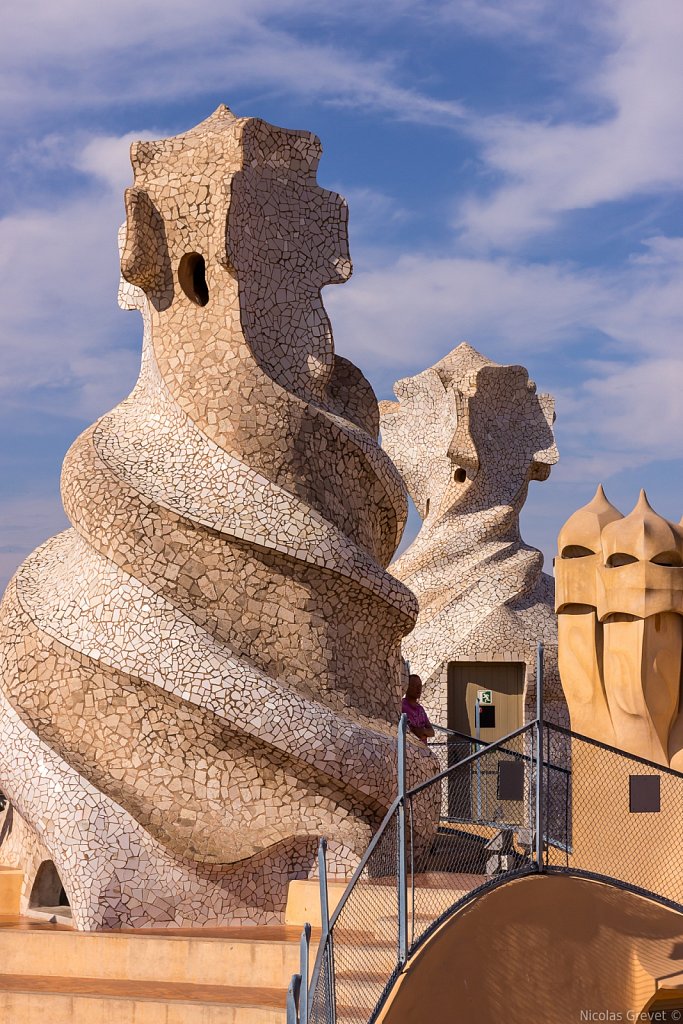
510, 780
644, 793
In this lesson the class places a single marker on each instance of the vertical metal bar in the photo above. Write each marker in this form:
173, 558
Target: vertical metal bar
567, 805
412, 876
324, 901
540, 823
293, 995
304, 950
477, 733
327, 934
402, 858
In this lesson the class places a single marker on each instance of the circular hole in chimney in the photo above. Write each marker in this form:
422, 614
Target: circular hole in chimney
460, 476
192, 278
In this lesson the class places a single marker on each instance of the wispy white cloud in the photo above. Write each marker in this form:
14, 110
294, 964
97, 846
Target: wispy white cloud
414, 306
632, 411
107, 158
613, 131
60, 326
373, 215
631, 144
532, 19
615, 332
162, 51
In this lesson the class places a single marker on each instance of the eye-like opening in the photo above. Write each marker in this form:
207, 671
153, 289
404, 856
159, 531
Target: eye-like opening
460, 475
619, 558
427, 508
192, 278
672, 559
576, 551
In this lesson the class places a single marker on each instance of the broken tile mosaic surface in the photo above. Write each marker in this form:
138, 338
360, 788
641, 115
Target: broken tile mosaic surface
468, 436
204, 674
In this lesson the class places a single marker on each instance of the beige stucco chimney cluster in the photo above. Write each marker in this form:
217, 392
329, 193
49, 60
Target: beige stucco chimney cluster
619, 598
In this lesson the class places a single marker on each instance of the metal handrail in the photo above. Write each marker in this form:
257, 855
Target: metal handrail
539, 760
364, 860
470, 757
345, 896
304, 953
293, 996
514, 753
399, 805
540, 732
454, 732
665, 769
324, 947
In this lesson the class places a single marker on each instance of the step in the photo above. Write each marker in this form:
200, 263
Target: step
372, 907
248, 956
362, 987
52, 915
367, 959
303, 900
456, 851
11, 881
25, 999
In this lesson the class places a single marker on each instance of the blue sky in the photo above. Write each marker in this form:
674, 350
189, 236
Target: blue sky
514, 170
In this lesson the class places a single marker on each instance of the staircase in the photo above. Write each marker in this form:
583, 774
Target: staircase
365, 933
165, 976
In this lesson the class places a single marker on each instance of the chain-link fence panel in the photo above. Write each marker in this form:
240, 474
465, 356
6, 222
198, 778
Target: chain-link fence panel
487, 834
603, 811
557, 796
320, 1007
364, 938
449, 747
624, 816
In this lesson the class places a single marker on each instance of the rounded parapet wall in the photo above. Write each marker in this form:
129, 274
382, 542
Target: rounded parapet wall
546, 948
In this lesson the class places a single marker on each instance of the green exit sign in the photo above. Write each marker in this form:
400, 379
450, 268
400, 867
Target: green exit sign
485, 697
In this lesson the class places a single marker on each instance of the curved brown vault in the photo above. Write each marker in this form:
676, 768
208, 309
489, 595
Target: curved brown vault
204, 674
546, 948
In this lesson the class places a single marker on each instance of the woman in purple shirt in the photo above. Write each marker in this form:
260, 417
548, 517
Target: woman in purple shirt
418, 721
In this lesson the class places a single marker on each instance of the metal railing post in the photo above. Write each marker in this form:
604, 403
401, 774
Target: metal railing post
326, 933
304, 951
402, 857
293, 996
477, 734
540, 823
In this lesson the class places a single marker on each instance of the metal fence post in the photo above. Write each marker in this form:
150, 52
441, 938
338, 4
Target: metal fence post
304, 950
326, 937
293, 995
402, 857
540, 823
